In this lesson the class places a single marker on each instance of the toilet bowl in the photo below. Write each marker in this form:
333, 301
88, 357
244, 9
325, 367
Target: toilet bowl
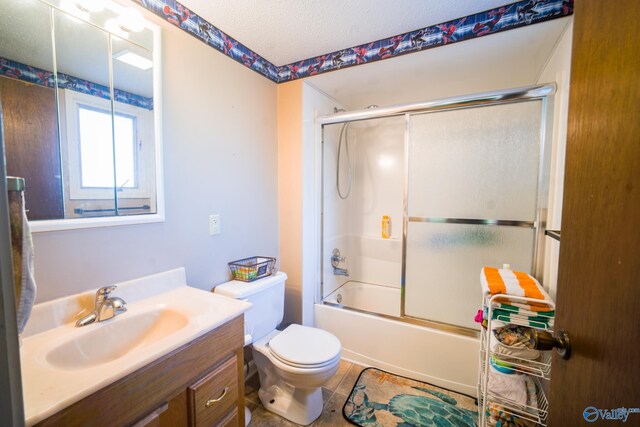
292, 364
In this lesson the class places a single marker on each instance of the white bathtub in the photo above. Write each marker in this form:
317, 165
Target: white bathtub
441, 358
367, 297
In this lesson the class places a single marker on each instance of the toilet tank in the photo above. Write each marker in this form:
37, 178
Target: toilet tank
267, 297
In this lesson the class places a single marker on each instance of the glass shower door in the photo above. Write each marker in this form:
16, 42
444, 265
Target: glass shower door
472, 200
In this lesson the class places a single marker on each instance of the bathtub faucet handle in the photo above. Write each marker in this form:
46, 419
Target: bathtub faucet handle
336, 259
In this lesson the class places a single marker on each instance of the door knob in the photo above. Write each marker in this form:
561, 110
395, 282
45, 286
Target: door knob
562, 344
559, 341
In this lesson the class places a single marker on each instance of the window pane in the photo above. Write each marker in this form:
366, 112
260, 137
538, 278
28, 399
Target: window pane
96, 150
125, 152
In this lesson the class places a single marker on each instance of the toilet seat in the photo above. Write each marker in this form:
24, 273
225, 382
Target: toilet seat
305, 347
299, 366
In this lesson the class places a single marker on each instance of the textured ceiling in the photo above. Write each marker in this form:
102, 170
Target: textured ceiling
285, 31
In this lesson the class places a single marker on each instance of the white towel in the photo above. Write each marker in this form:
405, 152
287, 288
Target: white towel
28, 284
508, 386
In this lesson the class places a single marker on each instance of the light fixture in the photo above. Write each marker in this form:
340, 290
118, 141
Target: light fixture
133, 59
90, 5
72, 8
114, 28
131, 20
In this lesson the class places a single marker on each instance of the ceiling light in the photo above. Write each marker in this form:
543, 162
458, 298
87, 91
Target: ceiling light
133, 59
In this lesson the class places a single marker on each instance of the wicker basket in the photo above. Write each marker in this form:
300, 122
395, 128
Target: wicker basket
253, 268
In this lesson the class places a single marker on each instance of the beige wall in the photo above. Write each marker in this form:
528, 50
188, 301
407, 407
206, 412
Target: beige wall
299, 104
290, 194
220, 156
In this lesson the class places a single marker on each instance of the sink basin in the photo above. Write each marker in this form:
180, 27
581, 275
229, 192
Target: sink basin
107, 341
61, 363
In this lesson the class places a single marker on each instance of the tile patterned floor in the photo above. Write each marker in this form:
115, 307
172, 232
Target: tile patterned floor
335, 393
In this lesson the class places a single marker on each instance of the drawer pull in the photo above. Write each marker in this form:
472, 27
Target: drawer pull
212, 402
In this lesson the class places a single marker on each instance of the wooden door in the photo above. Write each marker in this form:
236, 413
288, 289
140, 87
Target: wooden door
598, 297
32, 148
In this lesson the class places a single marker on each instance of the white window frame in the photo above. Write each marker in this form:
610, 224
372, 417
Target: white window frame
144, 158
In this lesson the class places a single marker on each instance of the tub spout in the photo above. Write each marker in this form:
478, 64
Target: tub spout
340, 271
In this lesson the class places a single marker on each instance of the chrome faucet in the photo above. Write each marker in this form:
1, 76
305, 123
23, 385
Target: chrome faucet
336, 259
106, 307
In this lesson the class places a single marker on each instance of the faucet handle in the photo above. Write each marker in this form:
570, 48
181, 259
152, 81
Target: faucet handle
118, 305
103, 293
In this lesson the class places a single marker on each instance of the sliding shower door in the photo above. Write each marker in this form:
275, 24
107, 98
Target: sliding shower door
472, 200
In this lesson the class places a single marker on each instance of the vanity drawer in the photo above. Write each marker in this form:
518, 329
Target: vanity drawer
212, 396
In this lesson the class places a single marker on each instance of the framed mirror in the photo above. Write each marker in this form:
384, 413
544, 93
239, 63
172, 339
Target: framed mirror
79, 84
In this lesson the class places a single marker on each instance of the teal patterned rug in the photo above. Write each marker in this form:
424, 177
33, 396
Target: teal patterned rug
382, 399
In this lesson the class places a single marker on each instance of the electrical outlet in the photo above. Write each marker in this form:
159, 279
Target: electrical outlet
214, 224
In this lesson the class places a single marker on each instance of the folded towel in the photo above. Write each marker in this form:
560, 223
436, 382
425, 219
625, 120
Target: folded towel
523, 311
500, 281
532, 321
508, 386
531, 306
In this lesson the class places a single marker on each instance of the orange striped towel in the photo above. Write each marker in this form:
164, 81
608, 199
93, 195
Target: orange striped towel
498, 281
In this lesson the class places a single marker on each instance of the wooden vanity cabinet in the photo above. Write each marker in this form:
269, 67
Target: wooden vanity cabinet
199, 384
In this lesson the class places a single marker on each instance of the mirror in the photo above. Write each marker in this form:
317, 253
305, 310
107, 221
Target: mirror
77, 82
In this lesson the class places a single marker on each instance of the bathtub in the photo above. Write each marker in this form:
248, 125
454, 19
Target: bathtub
371, 336
367, 297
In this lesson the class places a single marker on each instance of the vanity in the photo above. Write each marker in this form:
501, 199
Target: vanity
173, 358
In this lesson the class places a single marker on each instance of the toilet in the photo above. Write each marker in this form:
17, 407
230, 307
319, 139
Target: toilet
294, 363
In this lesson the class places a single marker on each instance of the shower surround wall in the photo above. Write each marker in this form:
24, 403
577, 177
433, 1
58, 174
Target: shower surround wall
377, 180
353, 225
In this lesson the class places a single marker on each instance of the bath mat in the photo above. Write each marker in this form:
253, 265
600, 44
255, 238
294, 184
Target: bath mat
382, 399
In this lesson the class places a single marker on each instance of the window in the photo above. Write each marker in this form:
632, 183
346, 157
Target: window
96, 149
90, 149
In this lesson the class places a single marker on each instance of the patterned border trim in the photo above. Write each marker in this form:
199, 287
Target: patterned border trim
514, 15
38, 76
491, 21
179, 15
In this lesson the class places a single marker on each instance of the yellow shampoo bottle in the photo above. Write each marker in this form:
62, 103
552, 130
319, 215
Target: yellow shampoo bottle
386, 227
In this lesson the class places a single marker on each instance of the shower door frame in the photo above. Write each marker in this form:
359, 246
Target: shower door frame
543, 92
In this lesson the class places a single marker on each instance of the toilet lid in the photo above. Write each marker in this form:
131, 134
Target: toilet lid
305, 346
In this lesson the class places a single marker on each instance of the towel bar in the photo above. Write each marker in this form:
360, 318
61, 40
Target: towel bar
81, 211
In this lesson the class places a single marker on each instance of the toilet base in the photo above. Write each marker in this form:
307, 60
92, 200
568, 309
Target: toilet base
299, 405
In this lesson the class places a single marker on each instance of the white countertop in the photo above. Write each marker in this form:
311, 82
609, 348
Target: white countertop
48, 388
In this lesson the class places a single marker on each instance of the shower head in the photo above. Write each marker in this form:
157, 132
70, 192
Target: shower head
338, 110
